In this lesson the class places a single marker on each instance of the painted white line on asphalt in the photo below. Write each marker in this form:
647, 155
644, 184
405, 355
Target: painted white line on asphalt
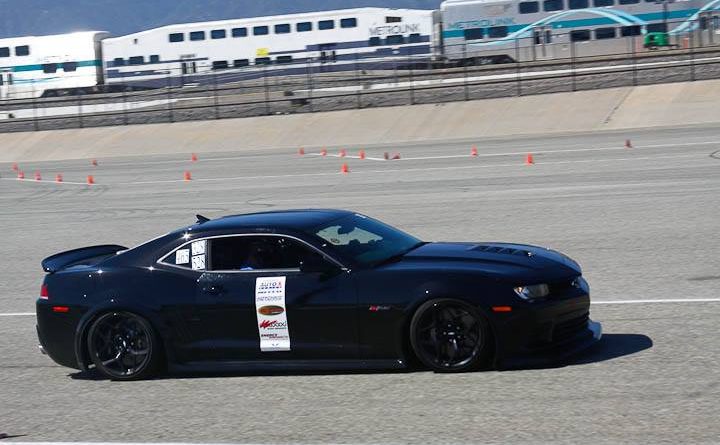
672, 300
44, 181
19, 314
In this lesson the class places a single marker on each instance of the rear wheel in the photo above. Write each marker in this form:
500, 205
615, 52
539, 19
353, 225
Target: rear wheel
124, 346
449, 335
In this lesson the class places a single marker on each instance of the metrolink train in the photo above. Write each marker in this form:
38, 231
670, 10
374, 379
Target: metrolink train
460, 32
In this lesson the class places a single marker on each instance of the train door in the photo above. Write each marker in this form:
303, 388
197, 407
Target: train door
188, 68
328, 53
542, 40
709, 26
6, 83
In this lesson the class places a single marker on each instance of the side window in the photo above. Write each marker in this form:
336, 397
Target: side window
218, 34
176, 37
254, 253
528, 7
197, 35
474, 33
374, 41
69, 67
552, 5
50, 68
261, 30
578, 4
5, 52
22, 50
239, 32
118, 61
497, 32
326, 24
282, 28
304, 27
348, 23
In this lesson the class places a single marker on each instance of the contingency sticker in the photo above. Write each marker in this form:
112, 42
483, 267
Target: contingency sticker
182, 256
271, 315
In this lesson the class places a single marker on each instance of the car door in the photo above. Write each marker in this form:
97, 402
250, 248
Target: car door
258, 302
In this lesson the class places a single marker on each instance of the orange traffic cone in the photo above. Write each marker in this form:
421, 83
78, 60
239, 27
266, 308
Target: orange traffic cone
21, 174
343, 153
58, 178
90, 180
628, 143
529, 160
362, 154
38, 176
396, 156
94, 162
15, 167
345, 169
193, 158
323, 152
301, 152
386, 155
474, 151
187, 176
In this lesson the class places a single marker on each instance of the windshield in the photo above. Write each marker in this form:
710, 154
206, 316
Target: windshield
364, 239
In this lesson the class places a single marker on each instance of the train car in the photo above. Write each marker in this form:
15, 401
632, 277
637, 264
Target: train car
49, 65
331, 40
528, 30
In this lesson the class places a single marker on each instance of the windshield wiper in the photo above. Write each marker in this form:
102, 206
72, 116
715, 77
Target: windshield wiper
399, 255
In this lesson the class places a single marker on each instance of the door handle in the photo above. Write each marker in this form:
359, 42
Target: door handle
216, 289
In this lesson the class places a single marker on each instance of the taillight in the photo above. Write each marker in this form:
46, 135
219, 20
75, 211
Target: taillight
44, 294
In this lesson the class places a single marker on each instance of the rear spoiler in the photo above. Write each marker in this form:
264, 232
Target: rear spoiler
73, 257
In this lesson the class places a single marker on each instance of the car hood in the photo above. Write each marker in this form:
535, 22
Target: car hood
500, 258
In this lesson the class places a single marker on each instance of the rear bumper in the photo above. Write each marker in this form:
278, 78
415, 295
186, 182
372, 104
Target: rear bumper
56, 334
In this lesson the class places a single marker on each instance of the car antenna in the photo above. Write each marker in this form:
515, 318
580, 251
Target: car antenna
202, 219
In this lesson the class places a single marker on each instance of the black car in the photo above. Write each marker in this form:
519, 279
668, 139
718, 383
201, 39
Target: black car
295, 289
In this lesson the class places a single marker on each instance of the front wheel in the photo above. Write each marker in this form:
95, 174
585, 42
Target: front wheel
450, 335
124, 346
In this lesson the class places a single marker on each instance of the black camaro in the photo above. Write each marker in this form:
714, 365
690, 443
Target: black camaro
314, 289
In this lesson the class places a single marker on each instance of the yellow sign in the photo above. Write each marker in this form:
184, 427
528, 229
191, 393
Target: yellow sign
262, 52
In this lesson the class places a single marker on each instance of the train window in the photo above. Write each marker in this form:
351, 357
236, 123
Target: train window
218, 34
136, 60
237, 63
326, 24
262, 61
657, 27
553, 5
580, 35
629, 31
176, 37
69, 67
5, 52
414, 38
374, 41
348, 23
303, 27
219, 64
284, 59
474, 33
497, 32
50, 68
605, 33
119, 61
22, 50
282, 29
703, 22
261, 30
393, 19
528, 7
396, 39
603, 3
196, 36
628, 2
239, 32
155, 59
578, 4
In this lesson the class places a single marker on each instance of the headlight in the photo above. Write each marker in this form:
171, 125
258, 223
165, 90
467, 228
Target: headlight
532, 292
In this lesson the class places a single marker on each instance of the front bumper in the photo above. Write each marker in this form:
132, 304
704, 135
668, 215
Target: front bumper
546, 333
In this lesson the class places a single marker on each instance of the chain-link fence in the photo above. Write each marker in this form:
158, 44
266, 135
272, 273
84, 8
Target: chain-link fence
542, 63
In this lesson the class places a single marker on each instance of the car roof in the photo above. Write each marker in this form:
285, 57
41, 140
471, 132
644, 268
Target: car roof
282, 219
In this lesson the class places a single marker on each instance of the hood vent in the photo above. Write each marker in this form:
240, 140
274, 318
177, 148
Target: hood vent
501, 250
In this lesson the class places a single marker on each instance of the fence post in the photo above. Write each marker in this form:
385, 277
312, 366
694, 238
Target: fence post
412, 83
267, 90
518, 67
572, 64
465, 72
80, 114
634, 61
216, 99
358, 81
308, 68
171, 114
36, 125
124, 98
692, 56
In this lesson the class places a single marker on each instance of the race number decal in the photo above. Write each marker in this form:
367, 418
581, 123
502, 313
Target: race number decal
198, 255
271, 316
182, 256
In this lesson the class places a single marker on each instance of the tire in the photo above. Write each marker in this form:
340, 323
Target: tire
449, 335
124, 346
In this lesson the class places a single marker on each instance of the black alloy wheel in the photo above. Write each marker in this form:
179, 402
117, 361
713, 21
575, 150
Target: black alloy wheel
123, 346
450, 335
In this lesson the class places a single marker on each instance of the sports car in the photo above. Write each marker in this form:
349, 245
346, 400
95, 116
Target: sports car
320, 289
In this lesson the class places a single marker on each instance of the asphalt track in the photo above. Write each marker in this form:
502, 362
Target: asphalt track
643, 222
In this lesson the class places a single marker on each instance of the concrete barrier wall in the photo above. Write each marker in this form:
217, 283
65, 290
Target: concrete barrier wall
612, 109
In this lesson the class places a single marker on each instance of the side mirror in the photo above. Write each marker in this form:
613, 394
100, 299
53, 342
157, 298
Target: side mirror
317, 264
